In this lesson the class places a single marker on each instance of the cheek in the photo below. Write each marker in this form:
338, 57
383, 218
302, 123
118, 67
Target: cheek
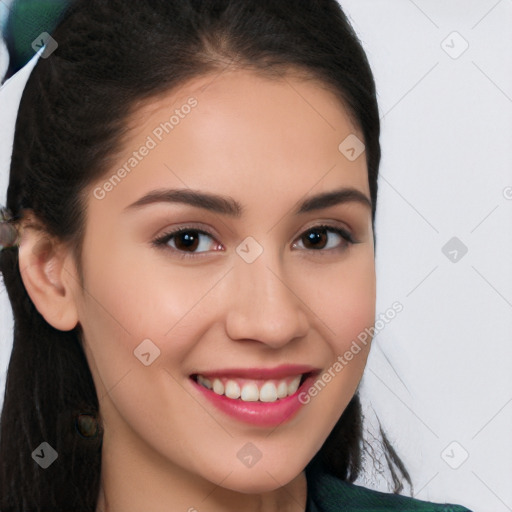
139, 299
356, 308
345, 304
130, 300
122, 310
343, 298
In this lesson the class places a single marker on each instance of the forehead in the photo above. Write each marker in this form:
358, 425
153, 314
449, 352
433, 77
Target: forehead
238, 133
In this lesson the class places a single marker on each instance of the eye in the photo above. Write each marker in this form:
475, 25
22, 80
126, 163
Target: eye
187, 240
316, 238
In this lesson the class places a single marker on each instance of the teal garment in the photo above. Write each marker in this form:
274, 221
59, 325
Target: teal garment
327, 493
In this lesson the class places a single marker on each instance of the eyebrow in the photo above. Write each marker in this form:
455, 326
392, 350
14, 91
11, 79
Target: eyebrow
228, 206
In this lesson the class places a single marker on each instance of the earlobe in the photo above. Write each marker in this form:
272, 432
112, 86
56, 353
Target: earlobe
47, 272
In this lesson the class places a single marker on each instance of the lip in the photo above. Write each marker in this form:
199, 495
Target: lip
261, 414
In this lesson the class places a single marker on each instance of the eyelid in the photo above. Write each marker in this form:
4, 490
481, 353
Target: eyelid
328, 223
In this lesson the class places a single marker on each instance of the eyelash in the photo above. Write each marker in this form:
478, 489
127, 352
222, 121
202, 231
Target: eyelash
162, 241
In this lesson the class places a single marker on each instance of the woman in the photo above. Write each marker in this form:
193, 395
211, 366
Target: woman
189, 255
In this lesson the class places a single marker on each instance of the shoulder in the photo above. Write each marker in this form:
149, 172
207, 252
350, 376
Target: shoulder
327, 493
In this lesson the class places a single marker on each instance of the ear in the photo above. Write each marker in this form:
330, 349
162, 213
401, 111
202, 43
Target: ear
49, 275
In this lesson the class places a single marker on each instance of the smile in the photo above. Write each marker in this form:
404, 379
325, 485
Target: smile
260, 397
252, 390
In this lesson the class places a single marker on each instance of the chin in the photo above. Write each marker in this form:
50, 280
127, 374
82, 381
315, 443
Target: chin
259, 480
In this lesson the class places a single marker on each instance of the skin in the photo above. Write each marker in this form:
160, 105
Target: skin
268, 144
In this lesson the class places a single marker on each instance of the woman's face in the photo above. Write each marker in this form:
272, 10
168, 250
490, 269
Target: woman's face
252, 294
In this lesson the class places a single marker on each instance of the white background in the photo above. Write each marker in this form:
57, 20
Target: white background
441, 370
438, 376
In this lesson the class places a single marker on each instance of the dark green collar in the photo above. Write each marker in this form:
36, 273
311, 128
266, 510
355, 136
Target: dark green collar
327, 493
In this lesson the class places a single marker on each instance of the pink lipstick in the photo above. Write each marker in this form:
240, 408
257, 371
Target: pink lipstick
265, 397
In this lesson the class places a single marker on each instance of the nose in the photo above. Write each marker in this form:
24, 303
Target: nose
265, 304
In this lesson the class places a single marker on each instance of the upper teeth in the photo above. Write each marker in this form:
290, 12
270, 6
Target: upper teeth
249, 391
